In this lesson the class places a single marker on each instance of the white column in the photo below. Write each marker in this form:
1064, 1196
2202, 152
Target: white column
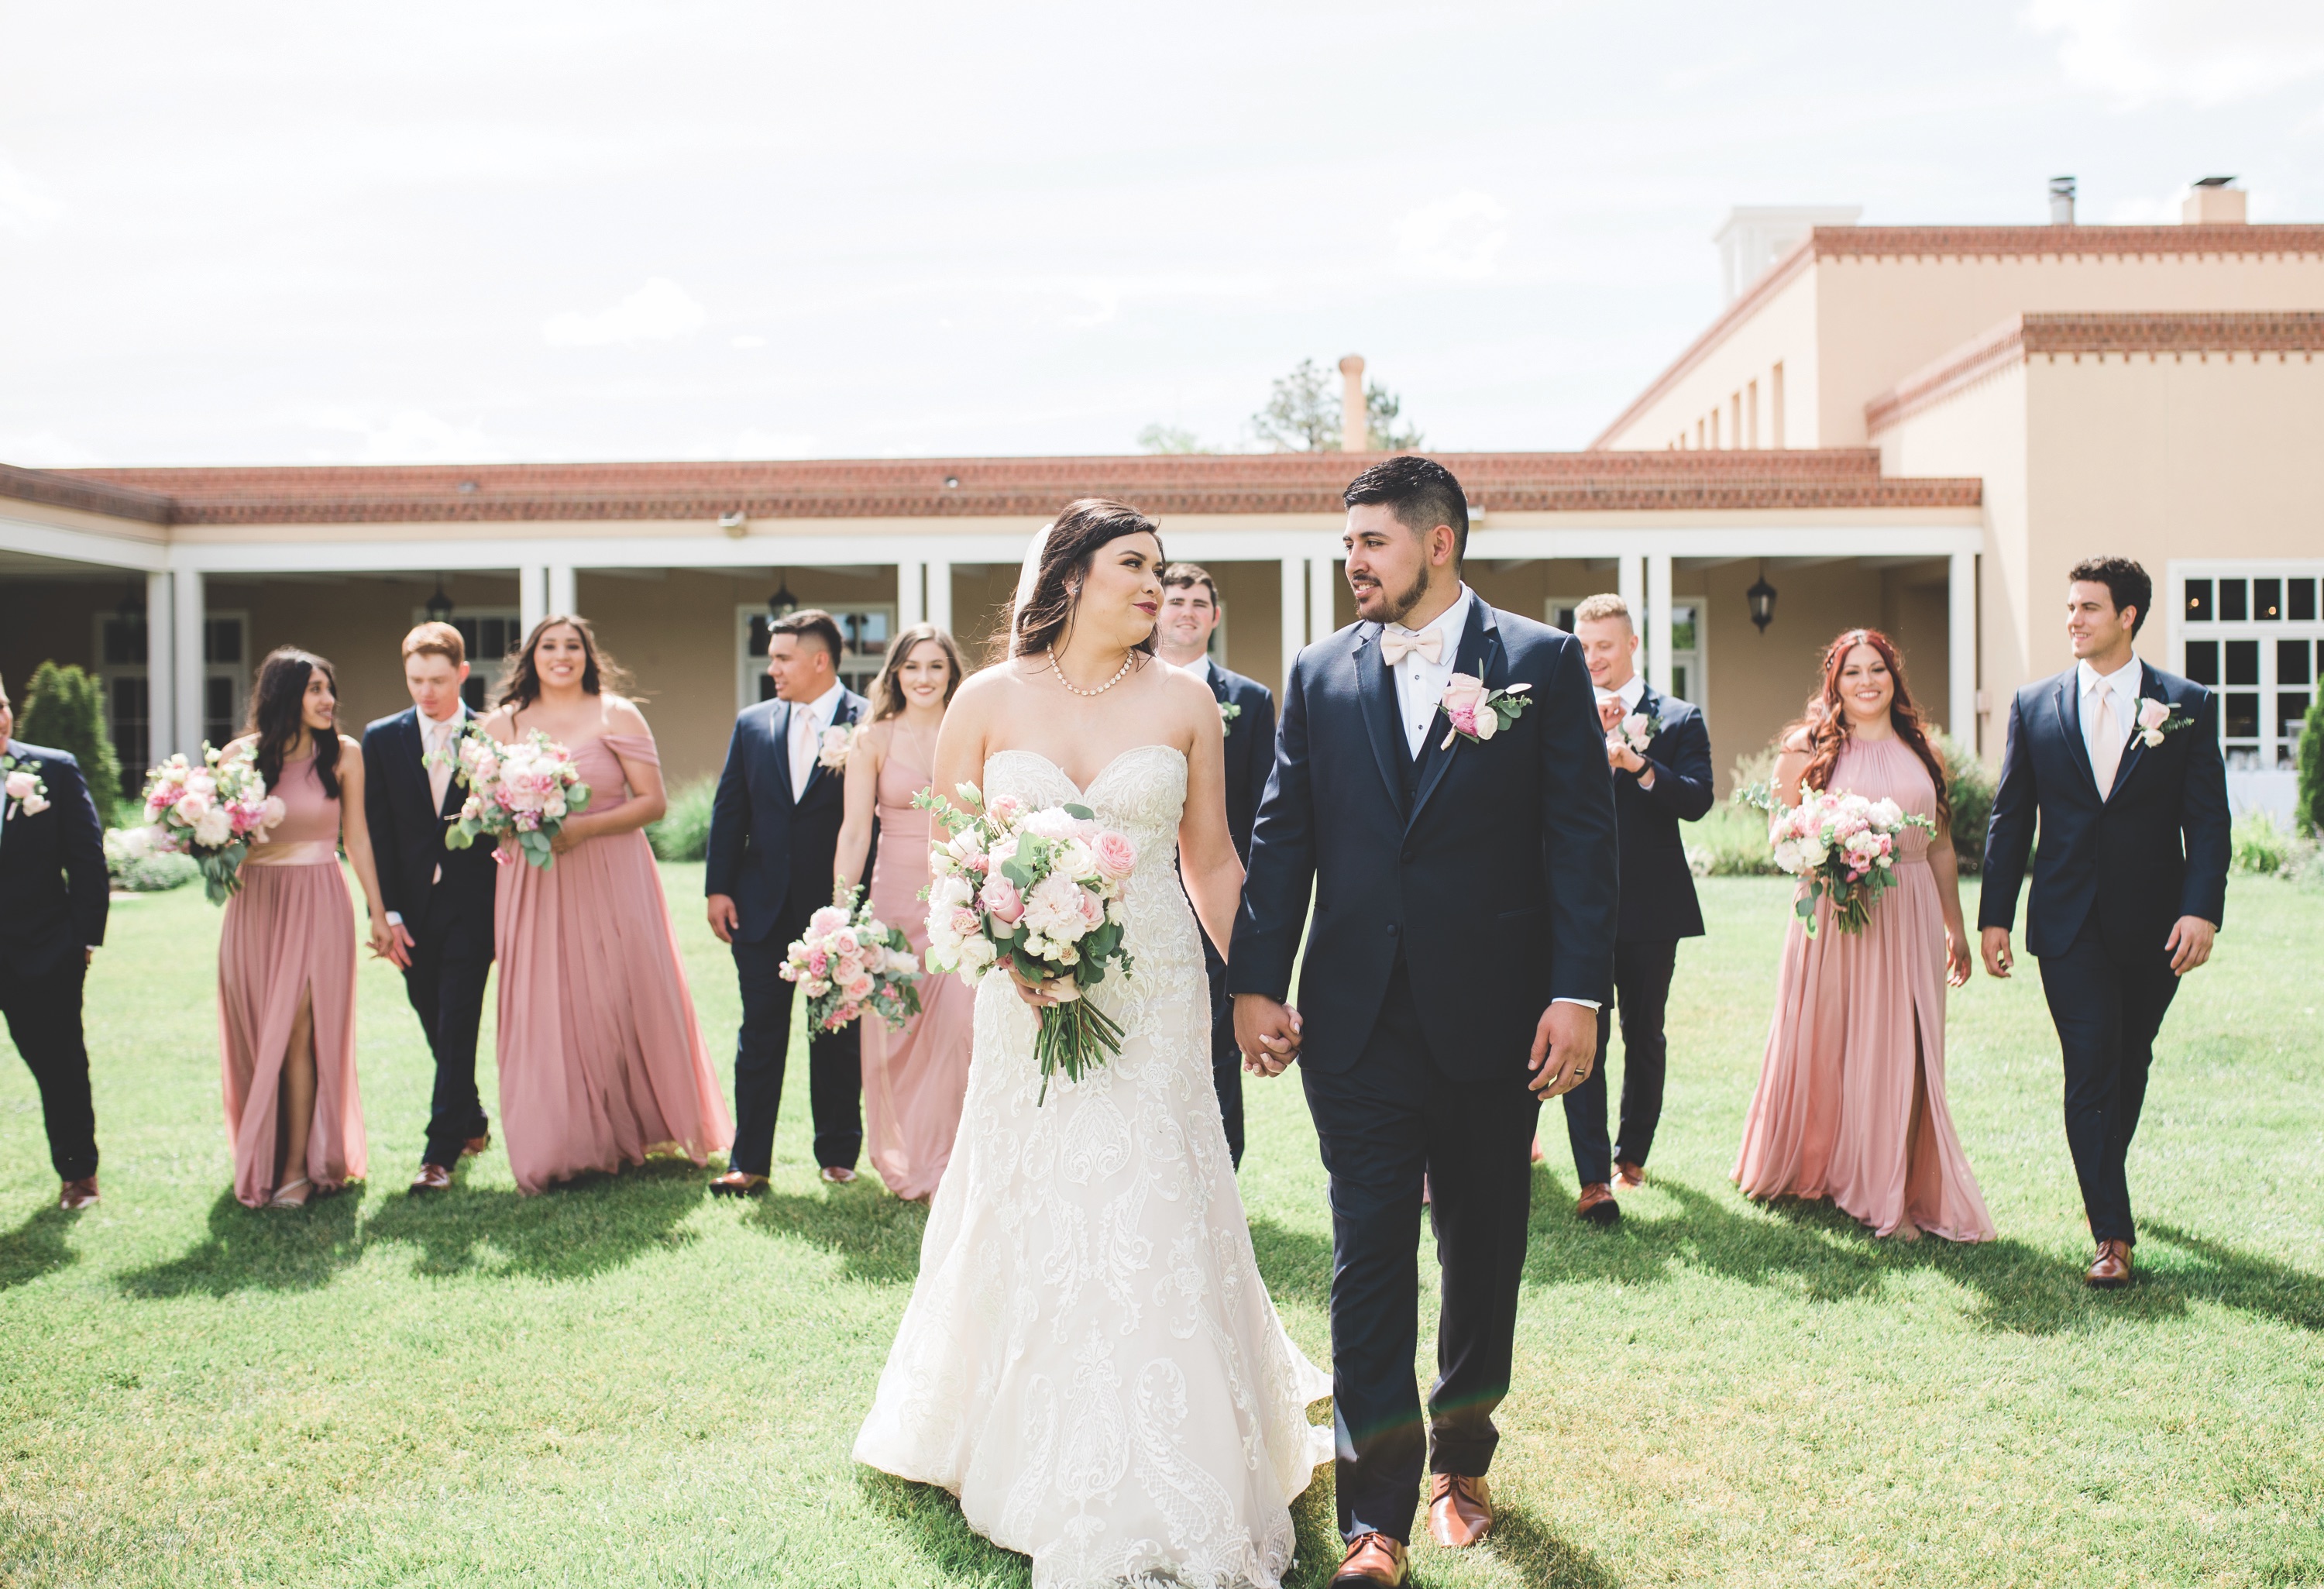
1961, 651
1323, 575
186, 609
561, 599
910, 608
1658, 620
531, 594
1630, 585
940, 603
1295, 612
161, 691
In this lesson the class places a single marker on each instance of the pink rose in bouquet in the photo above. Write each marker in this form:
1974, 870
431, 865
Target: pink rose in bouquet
519, 793
213, 812
849, 962
1843, 845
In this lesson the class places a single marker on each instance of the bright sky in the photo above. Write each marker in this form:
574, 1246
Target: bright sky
236, 233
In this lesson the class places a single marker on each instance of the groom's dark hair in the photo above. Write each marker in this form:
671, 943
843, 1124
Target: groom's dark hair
1420, 492
2125, 580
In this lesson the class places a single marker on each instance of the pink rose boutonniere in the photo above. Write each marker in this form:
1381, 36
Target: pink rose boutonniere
838, 741
1638, 731
28, 794
2157, 718
1478, 712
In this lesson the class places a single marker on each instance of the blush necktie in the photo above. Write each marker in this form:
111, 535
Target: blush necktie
802, 750
2106, 738
1396, 644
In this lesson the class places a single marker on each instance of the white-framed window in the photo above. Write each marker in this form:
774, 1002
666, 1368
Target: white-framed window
2253, 631
225, 674
1686, 641
864, 628
490, 633
128, 691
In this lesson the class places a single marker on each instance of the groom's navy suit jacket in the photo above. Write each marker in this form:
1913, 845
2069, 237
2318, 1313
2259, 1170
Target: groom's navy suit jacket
763, 843
1497, 881
54, 891
408, 828
2154, 850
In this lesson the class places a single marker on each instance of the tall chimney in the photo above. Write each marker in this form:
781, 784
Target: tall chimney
2213, 201
2061, 201
1355, 420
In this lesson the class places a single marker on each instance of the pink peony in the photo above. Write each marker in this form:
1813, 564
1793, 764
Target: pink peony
1117, 857
964, 922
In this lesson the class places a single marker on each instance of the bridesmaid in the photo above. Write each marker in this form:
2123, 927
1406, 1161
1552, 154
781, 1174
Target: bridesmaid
601, 1060
287, 948
916, 1076
1851, 1098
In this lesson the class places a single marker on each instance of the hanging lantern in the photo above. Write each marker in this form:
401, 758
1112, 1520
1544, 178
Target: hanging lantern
439, 605
1762, 598
782, 604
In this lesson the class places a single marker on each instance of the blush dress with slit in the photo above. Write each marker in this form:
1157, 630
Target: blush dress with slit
601, 1060
914, 1076
289, 937
1851, 1104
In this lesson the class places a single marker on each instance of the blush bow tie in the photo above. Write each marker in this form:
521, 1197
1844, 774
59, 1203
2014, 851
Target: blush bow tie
1396, 644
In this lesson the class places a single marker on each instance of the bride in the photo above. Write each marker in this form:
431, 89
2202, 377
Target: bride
1089, 1360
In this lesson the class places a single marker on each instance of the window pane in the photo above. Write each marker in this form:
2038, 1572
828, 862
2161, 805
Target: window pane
125, 641
2300, 600
2203, 661
2243, 662
1563, 619
2292, 661
2291, 708
2267, 598
1682, 632
2242, 716
1678, 681
222, 640
2198, 601
473, 692
2232, 608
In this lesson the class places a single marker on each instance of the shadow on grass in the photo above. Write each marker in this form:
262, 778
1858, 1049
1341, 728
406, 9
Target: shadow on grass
2022, 1289
262, 1249
928, 1519
36, 1247
1296, 1264
1524, 1540
583, 1227
874, 1236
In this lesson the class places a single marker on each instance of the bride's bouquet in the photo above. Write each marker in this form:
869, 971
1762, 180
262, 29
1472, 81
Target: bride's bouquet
1039, 893
850, 961
1842, 844
213, 812
523, 790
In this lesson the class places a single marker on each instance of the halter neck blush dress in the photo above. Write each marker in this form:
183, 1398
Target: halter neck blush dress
601, 1060
288, 936
1836, 1114
915, 1077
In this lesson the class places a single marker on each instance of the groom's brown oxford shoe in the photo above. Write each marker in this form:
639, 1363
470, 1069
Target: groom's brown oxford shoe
1629, 1177
476, 1145
1372, 1560
1597, 1205
738, 1183
1460, 1510
74, 1195
2110, 1269
432, 1177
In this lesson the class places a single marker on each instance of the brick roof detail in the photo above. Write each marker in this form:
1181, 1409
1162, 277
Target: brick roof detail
2255, 332
1028, 488
58, 490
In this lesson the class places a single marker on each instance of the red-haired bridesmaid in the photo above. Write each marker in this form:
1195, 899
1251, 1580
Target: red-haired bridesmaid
1851, 1098
287, 948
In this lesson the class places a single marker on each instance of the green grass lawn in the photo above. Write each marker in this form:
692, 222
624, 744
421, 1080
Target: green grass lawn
626, 1382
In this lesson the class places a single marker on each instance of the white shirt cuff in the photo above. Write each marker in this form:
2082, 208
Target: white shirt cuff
395, 918
1591, 1004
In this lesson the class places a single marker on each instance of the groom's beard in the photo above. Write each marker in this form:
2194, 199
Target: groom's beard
1396, 608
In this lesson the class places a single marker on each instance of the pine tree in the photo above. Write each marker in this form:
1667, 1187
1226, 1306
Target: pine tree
2308, 816
64, 709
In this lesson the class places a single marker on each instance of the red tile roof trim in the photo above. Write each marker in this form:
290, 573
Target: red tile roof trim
2281, 332
1028, 488
89, 495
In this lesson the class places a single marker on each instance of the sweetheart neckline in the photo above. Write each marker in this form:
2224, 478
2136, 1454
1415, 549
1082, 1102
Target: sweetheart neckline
1083, 789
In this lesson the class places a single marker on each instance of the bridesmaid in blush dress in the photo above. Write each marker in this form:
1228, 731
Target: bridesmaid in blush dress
1851, 1098
287, 948
915, 1077
601, 1061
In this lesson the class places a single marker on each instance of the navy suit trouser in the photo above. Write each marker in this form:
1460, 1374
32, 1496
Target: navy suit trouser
451, 961
1382, 1123
835, 1063
1642, 984
2108, 1009
43, 1015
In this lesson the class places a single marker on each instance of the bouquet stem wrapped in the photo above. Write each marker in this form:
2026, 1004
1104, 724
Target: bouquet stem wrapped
1842, 844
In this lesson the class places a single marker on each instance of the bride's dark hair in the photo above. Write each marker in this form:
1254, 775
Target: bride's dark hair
1080, 533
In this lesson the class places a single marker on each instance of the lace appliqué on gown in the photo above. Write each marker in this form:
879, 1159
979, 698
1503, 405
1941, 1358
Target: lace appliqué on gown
1089, 1360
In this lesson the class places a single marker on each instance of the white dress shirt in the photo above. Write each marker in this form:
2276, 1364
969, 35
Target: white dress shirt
2122, 684
435, 737
1419, 682
809, 720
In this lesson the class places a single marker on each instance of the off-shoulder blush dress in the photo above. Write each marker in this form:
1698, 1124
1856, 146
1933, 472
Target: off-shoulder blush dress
290, 935
601, 1060
1836, 1115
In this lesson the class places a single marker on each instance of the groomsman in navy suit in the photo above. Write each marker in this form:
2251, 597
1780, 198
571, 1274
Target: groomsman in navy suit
439, 900
1656, 787
1190, 610
2118, 764
53, 902
774, 826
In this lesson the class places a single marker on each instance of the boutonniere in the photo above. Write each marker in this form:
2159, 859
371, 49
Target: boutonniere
838, 742
2156, 718
1478, 712
1228, 713
1638, 731
28, 795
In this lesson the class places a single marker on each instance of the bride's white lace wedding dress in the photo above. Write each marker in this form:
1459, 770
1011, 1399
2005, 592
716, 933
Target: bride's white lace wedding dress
1089, 1360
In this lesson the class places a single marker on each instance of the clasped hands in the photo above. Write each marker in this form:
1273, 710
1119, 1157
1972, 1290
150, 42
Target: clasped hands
1564, 1041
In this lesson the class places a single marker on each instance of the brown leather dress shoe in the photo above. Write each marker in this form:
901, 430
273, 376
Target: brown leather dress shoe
1372, 1558
432, 1177
73, 1195
1460, 1510
1597, 1205
838, 1174
1629, 1177
476, 1145
2110, 1269
737, 1183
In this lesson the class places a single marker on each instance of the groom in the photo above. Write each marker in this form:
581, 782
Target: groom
2120, 762
1462, 944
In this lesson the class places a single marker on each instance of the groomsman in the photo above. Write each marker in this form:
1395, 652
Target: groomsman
52, 902
774, 825
1658, 783
2119, 764
439, 900
1190, 610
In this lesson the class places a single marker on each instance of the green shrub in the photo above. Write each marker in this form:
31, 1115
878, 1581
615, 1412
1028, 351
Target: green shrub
64, 709
2308, 809
134, 866
684, 832
2260, 846
1730, 841
1969, 785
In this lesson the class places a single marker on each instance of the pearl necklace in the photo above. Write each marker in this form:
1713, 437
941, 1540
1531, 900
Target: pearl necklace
1119, 674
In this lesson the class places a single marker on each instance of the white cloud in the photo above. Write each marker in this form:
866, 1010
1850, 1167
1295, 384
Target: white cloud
2143, 50
658, 311
1460, 237
24, 209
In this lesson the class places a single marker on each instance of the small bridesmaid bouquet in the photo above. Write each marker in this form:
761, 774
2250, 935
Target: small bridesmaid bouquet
1477, 713
849, 962
213, 812
521, 793
1842, 844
